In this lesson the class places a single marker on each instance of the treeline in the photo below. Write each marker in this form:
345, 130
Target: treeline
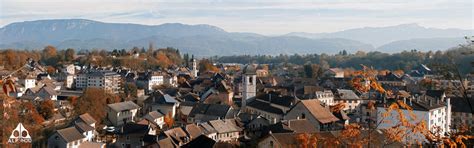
135, 58
406, 60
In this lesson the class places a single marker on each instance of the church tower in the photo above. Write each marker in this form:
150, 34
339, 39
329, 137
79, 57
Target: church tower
194, 70
249, 84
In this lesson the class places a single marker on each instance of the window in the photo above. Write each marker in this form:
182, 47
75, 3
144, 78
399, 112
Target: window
303, 116
271, 143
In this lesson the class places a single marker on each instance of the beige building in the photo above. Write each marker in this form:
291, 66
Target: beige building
122, 112
107, 80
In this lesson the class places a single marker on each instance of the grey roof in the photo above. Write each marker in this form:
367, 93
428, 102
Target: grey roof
169, 99
218, 110
70, 134
206, 128
153, 115
83, 127
249, 70
346, 94
121, 106
225, 126
257, 104
50, 90
88, 119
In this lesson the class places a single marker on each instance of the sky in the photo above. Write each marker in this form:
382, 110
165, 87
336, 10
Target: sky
269, 17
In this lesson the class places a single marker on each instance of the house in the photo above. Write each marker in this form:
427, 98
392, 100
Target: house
279, 140
461, 114
131, 135
206, 112
283, 140
86, 130
312, 110
69, 69
156, 118
161, 102
86, 124
334, 73
149, 80
179, 136
41, 93
222, 94
69, 137
208, 130
200, 141
227, 129
434, 112
262, 72
266, 110
391, 80
28, 82
122, 112
351, 100
256, 127
193, 131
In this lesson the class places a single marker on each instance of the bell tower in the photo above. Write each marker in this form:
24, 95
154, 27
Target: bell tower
194, 70
249, 84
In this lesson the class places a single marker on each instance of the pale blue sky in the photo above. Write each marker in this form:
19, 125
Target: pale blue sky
270, 17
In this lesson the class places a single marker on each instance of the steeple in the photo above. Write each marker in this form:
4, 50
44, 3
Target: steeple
249, 83
194, 69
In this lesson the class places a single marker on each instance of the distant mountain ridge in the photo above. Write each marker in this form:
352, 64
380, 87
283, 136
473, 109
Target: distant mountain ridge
201, 40
379, 36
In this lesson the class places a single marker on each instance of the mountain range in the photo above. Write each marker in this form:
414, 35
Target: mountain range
207, 40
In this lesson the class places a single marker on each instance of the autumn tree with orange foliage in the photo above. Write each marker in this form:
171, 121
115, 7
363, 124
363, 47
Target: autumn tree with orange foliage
94, 101
46, 109
406, 127
206, 65
169, 120
307, 140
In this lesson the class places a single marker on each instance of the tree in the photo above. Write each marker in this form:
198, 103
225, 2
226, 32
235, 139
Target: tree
307, 140
46, 109
69, 55
94, 101
130, 89
169, 120
206, 65
49, 55
50, 69
49, 51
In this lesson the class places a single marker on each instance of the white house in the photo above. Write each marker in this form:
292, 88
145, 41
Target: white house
28, 82
66, 138
156, 118
122, 112
435, 113
227, 130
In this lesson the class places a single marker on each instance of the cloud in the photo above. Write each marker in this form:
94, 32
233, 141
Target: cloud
261, 16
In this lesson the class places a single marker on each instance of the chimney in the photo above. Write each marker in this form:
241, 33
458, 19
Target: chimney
405, 100
270, 98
